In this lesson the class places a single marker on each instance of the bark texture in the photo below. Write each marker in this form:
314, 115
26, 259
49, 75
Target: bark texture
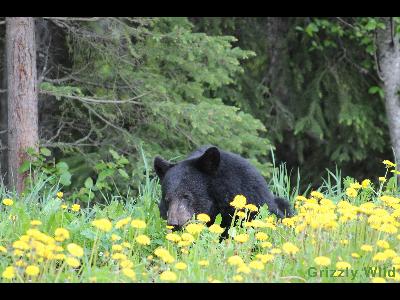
389, 61
22, 95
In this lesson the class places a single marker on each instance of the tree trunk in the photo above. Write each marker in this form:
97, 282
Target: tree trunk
389, 60
3, 122
22, 95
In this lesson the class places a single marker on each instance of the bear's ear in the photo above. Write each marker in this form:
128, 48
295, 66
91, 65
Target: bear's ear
161, 166
209, 161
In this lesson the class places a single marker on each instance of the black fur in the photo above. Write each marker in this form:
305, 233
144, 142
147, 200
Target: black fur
208, 180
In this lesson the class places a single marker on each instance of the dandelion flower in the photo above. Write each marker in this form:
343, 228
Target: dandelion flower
123, 222
119, 256
64, 206
143, 239
383, 244
366, 248
75, 207
215, 228
203, 263
378, 280
139, 224
3, 249
173, 237
32, 270
235, 260
8, 273
256, 265
382, 179
102, 224
290, 248
342, 265
203, 218
75, 250
116, 248
61, 234
388, 163
129, 273
168, 276
366, 183
180, 266
241, 238
36, 223
126, 264
115, 237
322, 261
266, 245
239, 202
317, 194
355, 255
251, 207
60, 195
243, 269
8, 202
351, 192
194, 228
261, 236
237, 278
241, 214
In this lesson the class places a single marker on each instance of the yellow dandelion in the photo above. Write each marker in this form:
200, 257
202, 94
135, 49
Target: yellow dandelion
290, 248
366, 183
126, 264
203, 218
203, 263
8, 202
128, 272
355, 255
173, 237
123, 222
322, 261
256, 265
215, 228
60, 195
239, 202
235, 260
241, 238
168, 276
237, 278
378, 280
75, 250
351, 192
143, 239
382, 244
75, 207
36, 223
251, 207
102, 224
115, 237
194, 228
261, 236
8, 273
342, 265
32, 270
180, 266
61, 234
241, 214
382, 179
139, 224
388, 163
366, 248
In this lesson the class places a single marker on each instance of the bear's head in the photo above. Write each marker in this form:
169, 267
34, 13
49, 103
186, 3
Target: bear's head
185, 187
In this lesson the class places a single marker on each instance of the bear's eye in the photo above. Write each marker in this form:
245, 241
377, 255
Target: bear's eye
186, 196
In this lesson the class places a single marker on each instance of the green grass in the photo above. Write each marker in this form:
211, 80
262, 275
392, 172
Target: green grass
97, 264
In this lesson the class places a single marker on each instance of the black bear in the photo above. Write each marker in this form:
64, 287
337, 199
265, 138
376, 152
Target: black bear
207, 181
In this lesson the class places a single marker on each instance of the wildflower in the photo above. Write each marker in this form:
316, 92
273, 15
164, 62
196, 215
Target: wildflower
266, 245
102, 224
180, 266
238, 202
187, 237
60, 195
73, 262
75, 250
344, 242
173, 237
388, 163
61, 234
382, 179
235, 260
126, 245
75, 207
129, 273
203, 263
64, 206
289, 248
382, 244
241, 214
265, 258
301, 198
143, 239
116, 248
215, 228
126, 264
241, 238
317, 194
378, 280
203, 218
276, 251
184, 251
322, 261
355, 255
169, 227
119, 256
36, 223
139, 224
380, 256
168, 276
243, 269
3, 249
355, 185
256, 265
8, 273
366, 248
32, 271
251, 207
237, 278
261, 236
164, 255
123, 222
115, 237
366, 183
351, 192
342, 265
8, 202
20, 245
194, 228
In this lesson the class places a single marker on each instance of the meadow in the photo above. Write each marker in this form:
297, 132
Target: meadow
344, 231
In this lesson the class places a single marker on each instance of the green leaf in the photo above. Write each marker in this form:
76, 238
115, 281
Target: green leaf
218, 219
89, 183
114, 154
123, 173
62, 166
65, 178
45, 151
25, 166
